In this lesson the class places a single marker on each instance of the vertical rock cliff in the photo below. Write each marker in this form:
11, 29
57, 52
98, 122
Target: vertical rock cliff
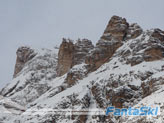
24, 54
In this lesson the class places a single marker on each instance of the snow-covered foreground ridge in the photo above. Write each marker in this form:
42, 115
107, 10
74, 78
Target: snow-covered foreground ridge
125, 69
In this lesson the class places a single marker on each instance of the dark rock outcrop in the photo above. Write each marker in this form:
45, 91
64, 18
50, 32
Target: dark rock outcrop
134, 31
116, 28
65, 57
82, 49
103, 52
159, 34
24, 54
111, 40
153, 54
71, 54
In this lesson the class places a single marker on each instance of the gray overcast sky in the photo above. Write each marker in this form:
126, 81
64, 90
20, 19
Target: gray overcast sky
43, 23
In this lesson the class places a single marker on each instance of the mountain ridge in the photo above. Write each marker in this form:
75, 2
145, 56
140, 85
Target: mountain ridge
123, 69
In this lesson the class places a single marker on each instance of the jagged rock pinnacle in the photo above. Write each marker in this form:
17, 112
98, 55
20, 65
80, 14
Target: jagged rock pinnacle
24, 54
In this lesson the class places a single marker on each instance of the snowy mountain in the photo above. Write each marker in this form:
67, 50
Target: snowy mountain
125, 69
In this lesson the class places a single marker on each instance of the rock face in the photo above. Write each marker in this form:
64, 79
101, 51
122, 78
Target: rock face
34, 78
102, 53
24, 54
72, 54
147, 48
156, 51
112, 39
82, 49
133, 31
117, 28
158, 34
65, 57
117, 31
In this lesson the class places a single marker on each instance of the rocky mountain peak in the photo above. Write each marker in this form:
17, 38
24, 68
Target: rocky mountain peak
116, 28
24, 54
71, 54
65, 57
113, 37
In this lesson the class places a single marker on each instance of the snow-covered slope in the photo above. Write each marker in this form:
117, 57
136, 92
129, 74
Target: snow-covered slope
131, 77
